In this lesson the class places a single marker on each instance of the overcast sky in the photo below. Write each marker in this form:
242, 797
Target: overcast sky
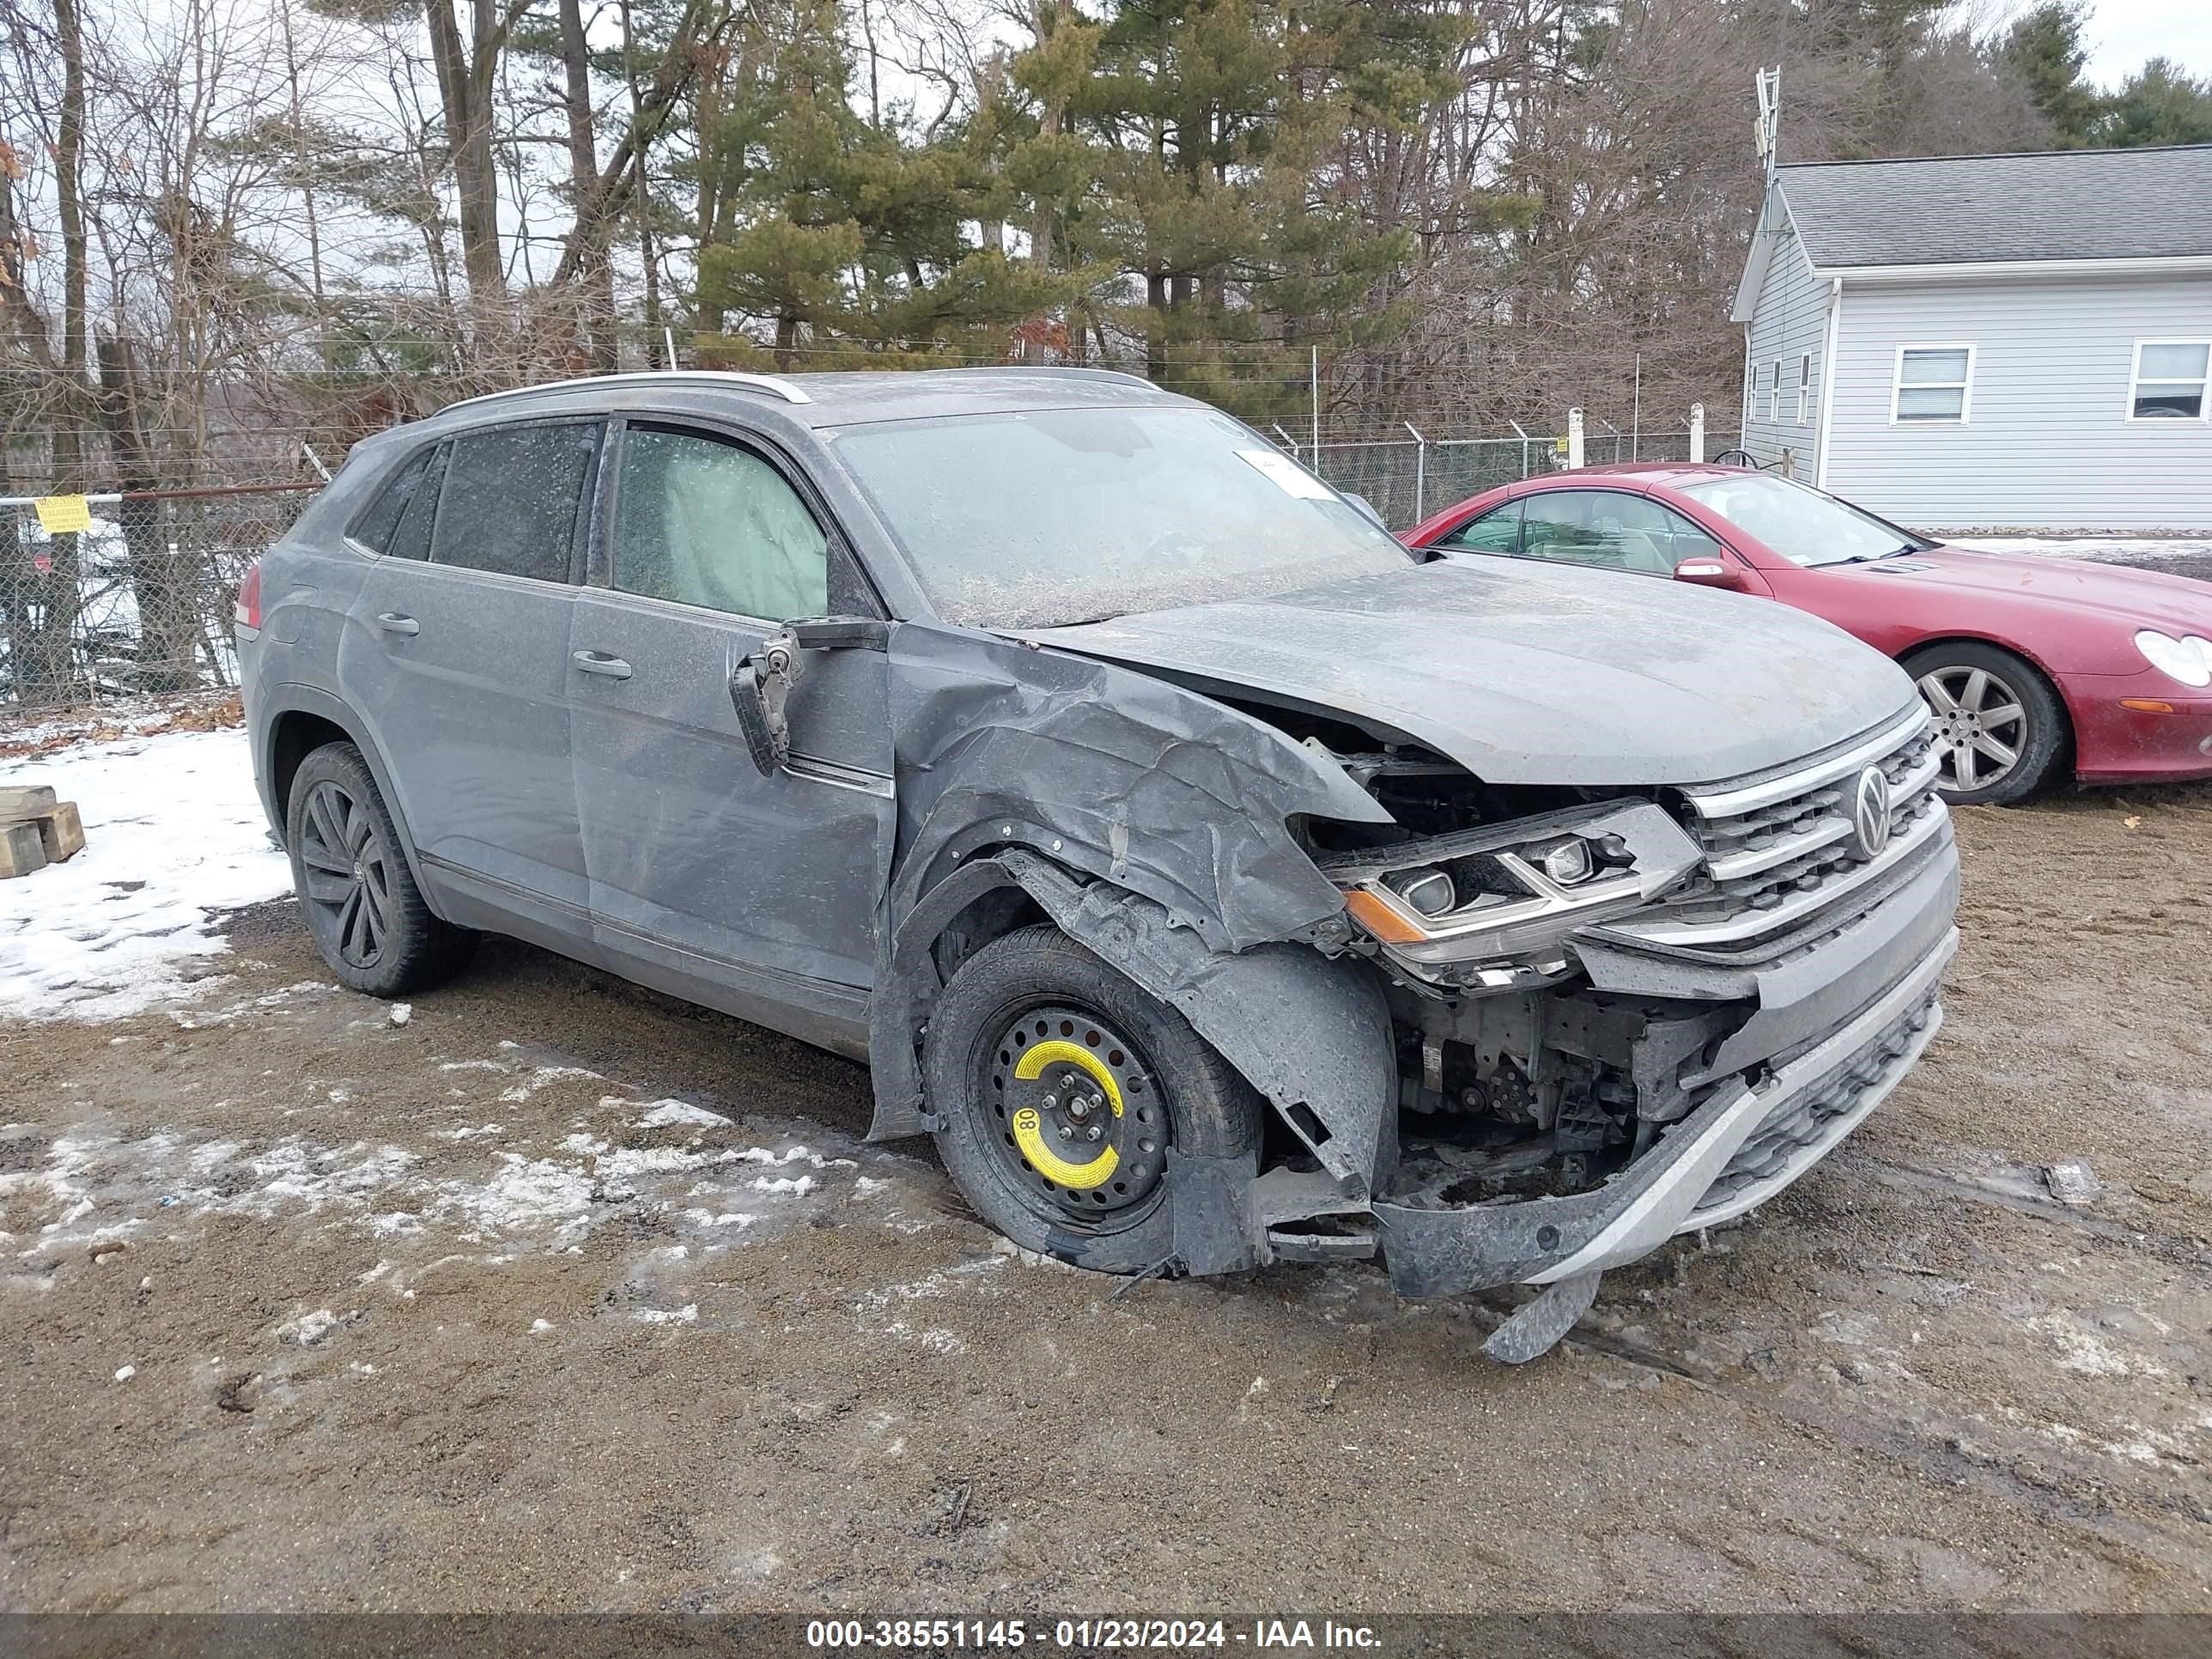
2123, 32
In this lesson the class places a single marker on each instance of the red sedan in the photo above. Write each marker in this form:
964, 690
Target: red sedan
2029, 664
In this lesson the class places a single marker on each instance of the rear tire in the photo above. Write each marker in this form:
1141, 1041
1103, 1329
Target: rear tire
2000, 728
1023, 1018
367, 914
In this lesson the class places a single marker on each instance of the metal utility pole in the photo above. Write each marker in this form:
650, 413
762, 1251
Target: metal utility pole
1636, 412
1313, 382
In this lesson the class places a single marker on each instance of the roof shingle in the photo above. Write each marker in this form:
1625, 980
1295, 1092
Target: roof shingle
2057, 204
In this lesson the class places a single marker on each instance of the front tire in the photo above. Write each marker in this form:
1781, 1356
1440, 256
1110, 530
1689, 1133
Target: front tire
1060, 1086
1999, 726
368, 916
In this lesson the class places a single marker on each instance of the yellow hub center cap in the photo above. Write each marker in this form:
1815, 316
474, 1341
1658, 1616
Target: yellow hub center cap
1028, 1127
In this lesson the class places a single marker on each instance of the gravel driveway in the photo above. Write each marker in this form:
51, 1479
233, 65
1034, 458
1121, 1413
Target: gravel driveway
549, 1292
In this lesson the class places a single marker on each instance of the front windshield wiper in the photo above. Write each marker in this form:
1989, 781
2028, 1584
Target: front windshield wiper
1893, 553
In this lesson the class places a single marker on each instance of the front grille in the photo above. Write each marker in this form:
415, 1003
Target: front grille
1781, 847
1805, 1119
1819, 821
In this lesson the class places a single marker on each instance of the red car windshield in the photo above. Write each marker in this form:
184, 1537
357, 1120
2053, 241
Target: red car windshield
1803, 525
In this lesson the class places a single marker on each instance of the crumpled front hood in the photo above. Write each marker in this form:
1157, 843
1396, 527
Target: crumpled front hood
1531, 673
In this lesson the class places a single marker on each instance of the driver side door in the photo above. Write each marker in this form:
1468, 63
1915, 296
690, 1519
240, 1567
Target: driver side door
755, 895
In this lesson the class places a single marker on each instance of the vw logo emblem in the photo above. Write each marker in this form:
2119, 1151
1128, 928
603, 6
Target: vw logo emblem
1870, 811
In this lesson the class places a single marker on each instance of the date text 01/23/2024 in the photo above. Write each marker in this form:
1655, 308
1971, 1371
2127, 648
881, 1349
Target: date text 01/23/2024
1261, 1635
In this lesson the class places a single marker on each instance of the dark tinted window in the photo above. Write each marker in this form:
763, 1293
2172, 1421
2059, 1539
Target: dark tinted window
410, 540
374, 527
510, 500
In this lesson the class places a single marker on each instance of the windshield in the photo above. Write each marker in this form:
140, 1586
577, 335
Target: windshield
1802, 525
1046, 517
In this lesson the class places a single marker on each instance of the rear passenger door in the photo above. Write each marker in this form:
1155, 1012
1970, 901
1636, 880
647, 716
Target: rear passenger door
755, 895
459, 659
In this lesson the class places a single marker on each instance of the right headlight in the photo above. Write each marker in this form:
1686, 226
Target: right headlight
1511, 892
2188, 659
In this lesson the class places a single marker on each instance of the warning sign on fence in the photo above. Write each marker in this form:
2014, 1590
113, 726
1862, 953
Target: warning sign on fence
63, 515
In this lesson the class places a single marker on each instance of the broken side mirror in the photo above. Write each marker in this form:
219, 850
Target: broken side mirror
759, 685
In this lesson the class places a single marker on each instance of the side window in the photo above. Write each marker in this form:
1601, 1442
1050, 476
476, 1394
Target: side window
707, 523
374, 528
1604, 527
1675, 536
1497, 531
510, 499
411, 538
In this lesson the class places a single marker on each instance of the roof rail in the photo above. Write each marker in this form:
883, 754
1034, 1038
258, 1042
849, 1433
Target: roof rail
1053, 368
771, 383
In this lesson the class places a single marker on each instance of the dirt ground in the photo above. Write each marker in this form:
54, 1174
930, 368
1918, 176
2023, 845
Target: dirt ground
492, 1309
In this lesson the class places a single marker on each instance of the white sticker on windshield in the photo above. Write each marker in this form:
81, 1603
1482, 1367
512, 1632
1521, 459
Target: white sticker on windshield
1289, 477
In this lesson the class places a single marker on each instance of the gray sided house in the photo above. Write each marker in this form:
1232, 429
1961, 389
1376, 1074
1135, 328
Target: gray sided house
1989, 342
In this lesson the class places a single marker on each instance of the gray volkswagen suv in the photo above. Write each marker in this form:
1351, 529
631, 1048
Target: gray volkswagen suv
1218, 881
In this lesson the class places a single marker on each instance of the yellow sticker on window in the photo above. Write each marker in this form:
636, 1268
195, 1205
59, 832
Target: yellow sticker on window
63, 515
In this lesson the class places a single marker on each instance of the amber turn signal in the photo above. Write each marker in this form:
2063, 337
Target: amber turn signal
2147, 705
1380, 919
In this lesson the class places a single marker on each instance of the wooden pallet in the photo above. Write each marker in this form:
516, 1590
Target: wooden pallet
35, 828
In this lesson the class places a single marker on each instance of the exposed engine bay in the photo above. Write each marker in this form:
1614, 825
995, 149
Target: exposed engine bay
1515, 1076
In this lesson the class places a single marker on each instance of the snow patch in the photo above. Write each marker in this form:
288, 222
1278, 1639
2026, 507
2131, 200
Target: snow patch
2097, 549
2080, 1351
670, 1114
308, 1329
174, 831
544, 1075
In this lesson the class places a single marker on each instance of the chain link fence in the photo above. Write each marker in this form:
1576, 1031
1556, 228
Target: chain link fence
1409, 478
137, 601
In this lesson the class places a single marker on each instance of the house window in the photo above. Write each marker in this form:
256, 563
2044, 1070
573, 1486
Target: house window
1774, 392
2169, 379
1933, 386
1804, 387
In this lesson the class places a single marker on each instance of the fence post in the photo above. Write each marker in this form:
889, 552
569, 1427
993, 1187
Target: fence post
1516, 425
1574, 439
1420, 468
1697, 432
1293, 443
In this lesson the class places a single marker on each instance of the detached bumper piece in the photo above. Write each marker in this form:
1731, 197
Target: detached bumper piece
1734, 1152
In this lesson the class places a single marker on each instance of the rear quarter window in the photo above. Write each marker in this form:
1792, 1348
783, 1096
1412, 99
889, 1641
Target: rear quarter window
511, 497
376, 525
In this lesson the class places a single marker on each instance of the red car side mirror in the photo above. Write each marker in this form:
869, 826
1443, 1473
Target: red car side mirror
1709, 572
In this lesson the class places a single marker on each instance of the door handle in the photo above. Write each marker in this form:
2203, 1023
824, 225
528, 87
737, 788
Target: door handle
392, 622
597, 662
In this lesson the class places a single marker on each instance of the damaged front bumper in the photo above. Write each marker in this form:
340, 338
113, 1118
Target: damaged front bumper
1734, 1152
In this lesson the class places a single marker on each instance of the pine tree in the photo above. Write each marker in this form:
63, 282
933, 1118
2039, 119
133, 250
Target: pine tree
2158, 105
2044, 46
